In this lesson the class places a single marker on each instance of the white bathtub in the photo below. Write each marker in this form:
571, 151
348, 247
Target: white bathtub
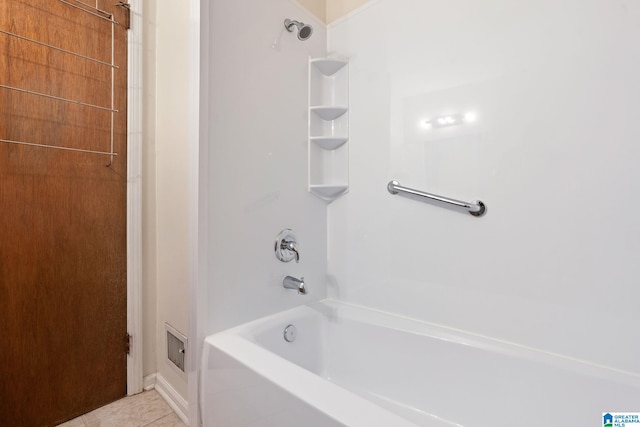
351, 366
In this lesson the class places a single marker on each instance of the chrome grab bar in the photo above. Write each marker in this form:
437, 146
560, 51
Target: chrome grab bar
475, 208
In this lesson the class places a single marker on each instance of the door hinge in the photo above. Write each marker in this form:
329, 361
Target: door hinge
127, 10
127, 343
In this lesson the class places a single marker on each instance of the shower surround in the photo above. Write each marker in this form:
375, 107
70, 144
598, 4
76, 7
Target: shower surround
552, 150
551, 92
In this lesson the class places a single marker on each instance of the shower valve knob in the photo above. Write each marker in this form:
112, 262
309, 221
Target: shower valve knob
286, 247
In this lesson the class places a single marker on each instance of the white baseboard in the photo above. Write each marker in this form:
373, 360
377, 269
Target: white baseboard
149, 382
169, 394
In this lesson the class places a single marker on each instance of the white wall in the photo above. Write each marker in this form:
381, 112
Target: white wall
165, 180
554, 154
172, 172
257, 172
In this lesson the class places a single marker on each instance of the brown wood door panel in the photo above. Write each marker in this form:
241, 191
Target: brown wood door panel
62, 213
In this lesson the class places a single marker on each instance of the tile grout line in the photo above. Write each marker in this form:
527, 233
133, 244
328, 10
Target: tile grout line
164, 416
158, 419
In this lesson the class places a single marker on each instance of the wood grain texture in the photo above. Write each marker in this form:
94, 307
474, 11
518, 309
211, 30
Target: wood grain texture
62, 215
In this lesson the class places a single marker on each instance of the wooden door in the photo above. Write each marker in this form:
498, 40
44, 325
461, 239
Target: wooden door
62, 210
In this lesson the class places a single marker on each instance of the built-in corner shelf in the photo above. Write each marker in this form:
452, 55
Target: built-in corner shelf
328, 192
329, 66
328, 127
328, 113
328, 142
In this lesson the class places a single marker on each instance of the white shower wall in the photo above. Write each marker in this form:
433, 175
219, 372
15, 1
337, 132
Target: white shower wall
553, 152
257, 161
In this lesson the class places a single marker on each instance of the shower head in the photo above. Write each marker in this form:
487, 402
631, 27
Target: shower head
304, 30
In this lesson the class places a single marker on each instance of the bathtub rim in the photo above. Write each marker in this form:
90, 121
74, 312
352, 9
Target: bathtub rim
331, 307
481, 342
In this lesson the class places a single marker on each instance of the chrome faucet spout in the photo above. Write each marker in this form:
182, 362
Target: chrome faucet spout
290, 282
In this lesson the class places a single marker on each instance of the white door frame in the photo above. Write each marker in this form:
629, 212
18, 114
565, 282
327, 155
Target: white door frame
134, 199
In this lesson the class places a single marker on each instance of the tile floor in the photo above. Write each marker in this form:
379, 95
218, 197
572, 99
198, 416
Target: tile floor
147, 409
